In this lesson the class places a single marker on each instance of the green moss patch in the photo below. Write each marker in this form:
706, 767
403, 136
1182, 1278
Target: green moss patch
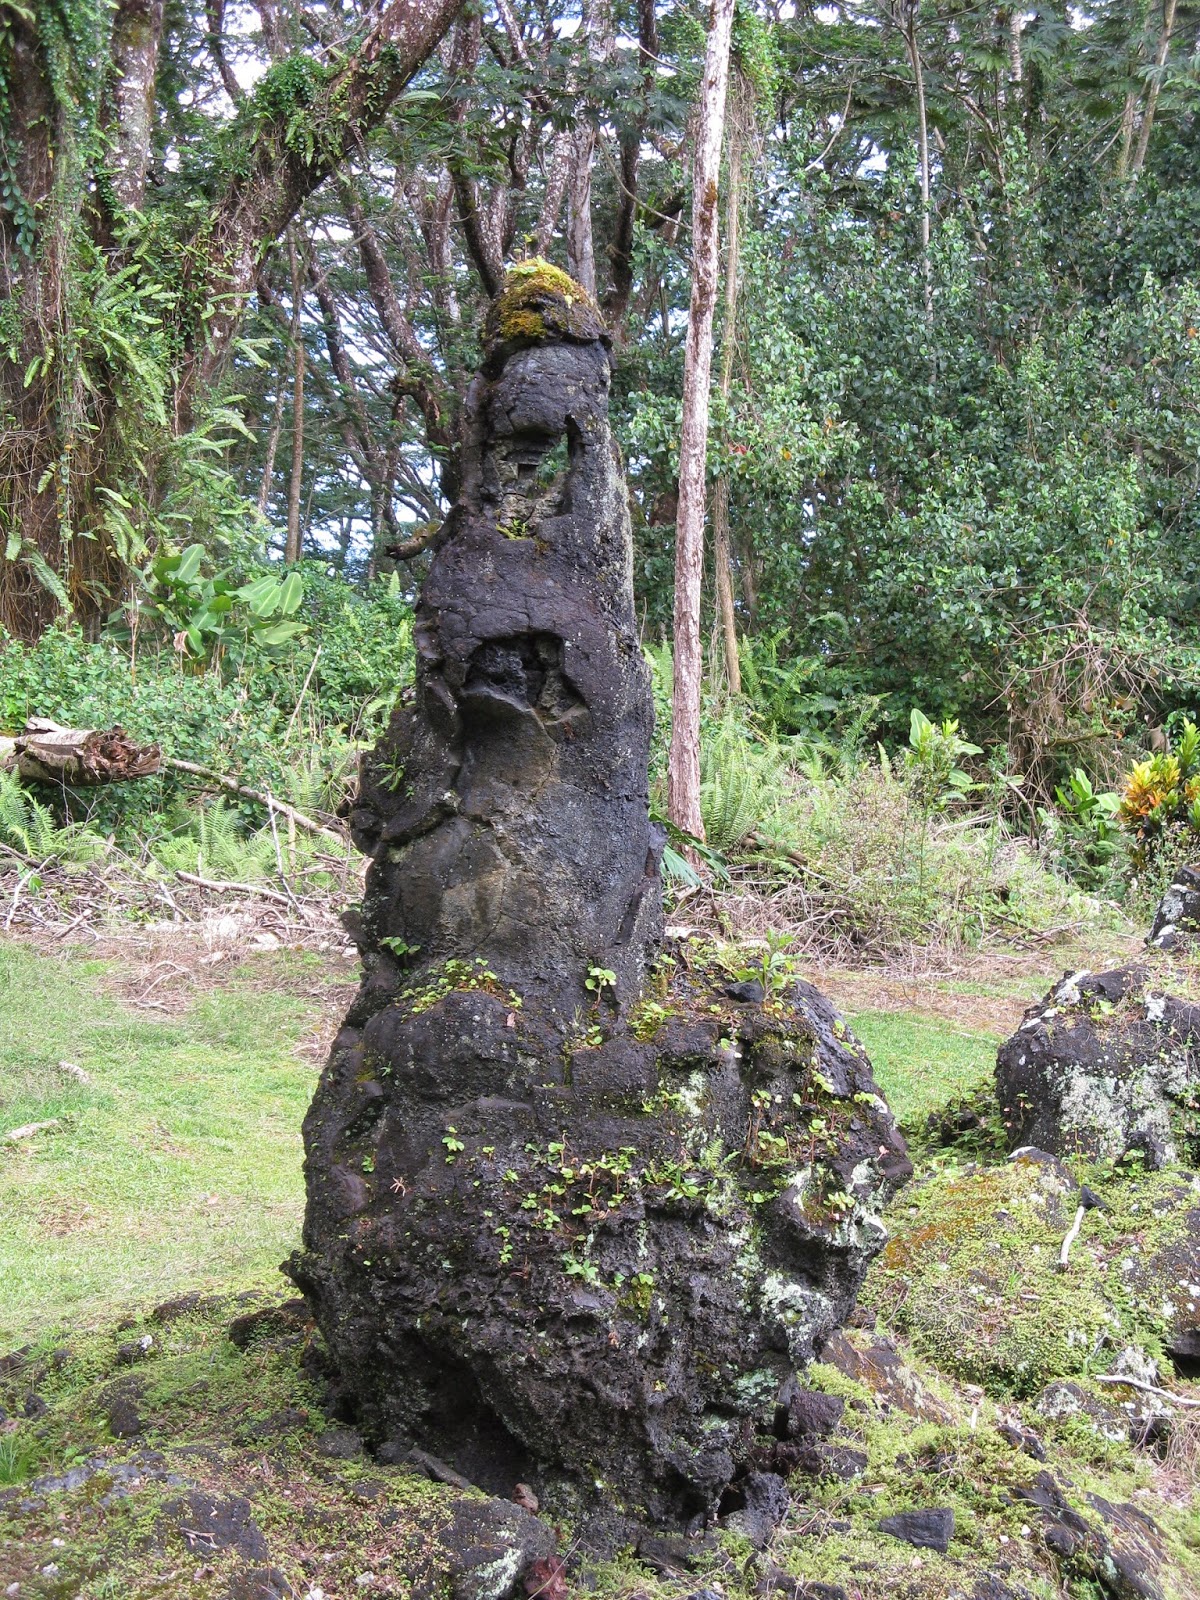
971, 1274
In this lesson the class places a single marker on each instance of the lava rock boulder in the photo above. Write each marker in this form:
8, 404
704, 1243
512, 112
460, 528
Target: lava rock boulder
1107, 1065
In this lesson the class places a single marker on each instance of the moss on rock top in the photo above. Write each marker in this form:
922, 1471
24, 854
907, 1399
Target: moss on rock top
540, 303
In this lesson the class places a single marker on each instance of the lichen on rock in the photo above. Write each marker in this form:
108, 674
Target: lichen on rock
1108, 1064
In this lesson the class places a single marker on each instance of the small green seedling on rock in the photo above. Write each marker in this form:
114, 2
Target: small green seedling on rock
598, 980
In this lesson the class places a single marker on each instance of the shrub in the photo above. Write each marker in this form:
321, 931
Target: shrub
878, 875
1160, 803
288, 719
1081, 835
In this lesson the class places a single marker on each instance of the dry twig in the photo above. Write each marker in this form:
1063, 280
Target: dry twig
262, 796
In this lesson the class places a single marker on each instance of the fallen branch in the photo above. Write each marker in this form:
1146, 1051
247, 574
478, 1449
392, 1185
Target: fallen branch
49, 753
237, 888
30, 1128
1165, 1395
262, 796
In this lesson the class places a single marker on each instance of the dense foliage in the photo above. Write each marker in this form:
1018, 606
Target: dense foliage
959, 434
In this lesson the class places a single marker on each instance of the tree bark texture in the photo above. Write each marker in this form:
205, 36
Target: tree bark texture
1160, 61
276, 172
722, 552
137, 30
293, 548
81, 757
683, 773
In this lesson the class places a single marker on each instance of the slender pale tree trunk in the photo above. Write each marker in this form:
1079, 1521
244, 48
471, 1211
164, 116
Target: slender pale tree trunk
1016, 66
293, 547
722, 563
268, 474
1160, 61
1128, 117
581, 250
581, 253
556, 188
683, 773
918, 72
137, 30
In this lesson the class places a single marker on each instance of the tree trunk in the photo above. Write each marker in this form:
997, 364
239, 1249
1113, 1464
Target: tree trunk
1016, 66
581, 249
137, 30
294, 546
581, 253
257, 207
268, 473
1160, 61
556, 188
722, 562
918, 71
683, 773
39, 497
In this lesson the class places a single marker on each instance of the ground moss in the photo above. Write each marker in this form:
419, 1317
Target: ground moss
971, 1273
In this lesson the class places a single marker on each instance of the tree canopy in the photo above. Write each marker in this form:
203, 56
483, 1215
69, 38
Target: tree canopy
246, 248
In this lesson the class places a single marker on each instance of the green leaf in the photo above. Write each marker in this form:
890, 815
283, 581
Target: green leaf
291, 594
280, 632
262, 596
189, 563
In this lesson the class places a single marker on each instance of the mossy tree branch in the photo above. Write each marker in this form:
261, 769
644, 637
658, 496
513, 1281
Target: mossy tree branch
284, 165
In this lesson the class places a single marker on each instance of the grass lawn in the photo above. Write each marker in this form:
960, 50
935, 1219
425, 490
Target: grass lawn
921, 1063
176, 1166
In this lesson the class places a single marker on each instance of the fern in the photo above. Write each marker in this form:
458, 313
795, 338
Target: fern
30, 827
213, 843
741, 779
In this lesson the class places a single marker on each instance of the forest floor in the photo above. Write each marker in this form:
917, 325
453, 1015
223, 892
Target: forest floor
158, 1078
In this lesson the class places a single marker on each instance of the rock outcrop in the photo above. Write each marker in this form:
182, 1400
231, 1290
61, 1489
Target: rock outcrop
1108, 1064
576, 1209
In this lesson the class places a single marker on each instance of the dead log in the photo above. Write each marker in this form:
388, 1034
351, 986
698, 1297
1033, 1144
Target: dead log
48, 753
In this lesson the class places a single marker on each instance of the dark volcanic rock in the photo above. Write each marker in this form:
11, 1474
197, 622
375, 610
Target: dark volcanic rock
806, 1413
1177, 920
765, 1501
927, 1530
877, 1364
1119, 1547
568, 1224
1172, 1275
272, 1322
122, 1414
1108, 1064
208, 1523
487, 1546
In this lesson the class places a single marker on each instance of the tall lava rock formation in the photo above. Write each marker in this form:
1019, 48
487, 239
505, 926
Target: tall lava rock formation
576, 1210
